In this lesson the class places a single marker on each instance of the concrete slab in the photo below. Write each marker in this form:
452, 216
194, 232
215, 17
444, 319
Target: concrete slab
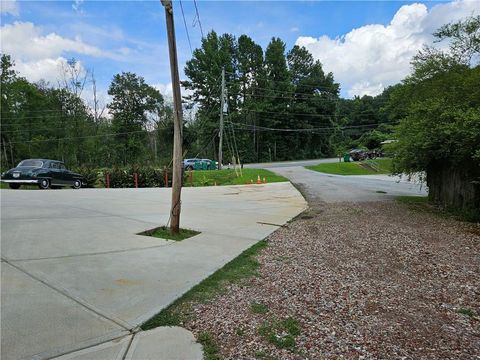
165, 343
111, 350
83, 245
130, 287
38, 322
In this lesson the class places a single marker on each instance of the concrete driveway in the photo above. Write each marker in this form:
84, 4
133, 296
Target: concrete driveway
76, 275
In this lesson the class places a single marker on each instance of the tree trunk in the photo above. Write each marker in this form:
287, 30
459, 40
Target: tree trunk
454, 187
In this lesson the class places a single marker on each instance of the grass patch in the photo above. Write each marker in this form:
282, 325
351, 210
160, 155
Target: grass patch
163, 232
263, 355
210, 347
258, 308
280, 333
420, 203
242, 267
367, 167
229, 177
22, 187
467, 312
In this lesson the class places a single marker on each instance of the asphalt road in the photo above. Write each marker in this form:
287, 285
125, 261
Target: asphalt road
280, 164
317, 186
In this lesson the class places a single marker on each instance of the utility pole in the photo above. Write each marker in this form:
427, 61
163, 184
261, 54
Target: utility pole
178, 121
222, 105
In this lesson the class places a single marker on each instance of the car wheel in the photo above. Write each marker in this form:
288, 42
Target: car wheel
14, 186
44, 184
77, 184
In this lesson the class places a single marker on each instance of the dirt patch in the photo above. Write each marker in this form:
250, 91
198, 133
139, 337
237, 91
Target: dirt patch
360, 281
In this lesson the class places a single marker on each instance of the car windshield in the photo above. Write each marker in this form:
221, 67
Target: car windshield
31, 163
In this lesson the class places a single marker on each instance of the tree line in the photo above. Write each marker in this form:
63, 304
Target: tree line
280, 106
40, 120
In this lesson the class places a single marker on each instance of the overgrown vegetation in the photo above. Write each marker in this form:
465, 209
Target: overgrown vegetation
439, 108
242, 267
368, 167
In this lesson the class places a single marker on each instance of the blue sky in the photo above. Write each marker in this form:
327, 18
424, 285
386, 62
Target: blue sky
114, 36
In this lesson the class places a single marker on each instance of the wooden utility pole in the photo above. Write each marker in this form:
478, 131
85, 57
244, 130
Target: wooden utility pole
178, 121
222, 105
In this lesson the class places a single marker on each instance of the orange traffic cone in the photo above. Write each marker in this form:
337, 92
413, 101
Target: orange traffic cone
258, 180
264, 180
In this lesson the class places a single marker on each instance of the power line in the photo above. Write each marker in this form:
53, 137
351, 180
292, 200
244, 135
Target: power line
198, 18
186, 29
256, 127
80, 137
291, 83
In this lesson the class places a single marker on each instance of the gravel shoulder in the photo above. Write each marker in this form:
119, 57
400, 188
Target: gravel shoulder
372, 280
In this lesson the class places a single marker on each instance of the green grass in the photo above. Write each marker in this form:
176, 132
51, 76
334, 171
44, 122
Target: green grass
210, 347
229, 177
258, 308
367, 167
163, 232
280, 333
23, 187
242, 267
420, 203
467, 312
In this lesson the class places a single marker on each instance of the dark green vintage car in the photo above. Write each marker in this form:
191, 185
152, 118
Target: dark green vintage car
45, 173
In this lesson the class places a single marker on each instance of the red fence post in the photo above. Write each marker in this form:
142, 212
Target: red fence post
108, 181
135, 179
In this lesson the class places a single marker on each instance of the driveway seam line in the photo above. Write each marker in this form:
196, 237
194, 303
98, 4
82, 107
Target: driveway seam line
97, 312
88, 347
92, 254
129, 346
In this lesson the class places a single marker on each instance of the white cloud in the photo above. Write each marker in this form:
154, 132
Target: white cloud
43, 69
9, 7
165, 90
371, 57
24, 40
294, 29
77, 6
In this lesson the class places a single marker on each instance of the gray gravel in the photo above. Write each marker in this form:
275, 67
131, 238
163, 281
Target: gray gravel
370, 281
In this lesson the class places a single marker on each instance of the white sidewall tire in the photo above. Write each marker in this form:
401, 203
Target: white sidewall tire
44, 184
77, 184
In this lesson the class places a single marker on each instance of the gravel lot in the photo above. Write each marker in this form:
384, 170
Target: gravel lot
372, 280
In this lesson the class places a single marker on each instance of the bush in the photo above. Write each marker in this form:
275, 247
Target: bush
148, 176
90, 175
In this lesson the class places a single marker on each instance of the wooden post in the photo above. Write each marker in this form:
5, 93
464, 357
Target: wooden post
135, 179
108, 181
178, 121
